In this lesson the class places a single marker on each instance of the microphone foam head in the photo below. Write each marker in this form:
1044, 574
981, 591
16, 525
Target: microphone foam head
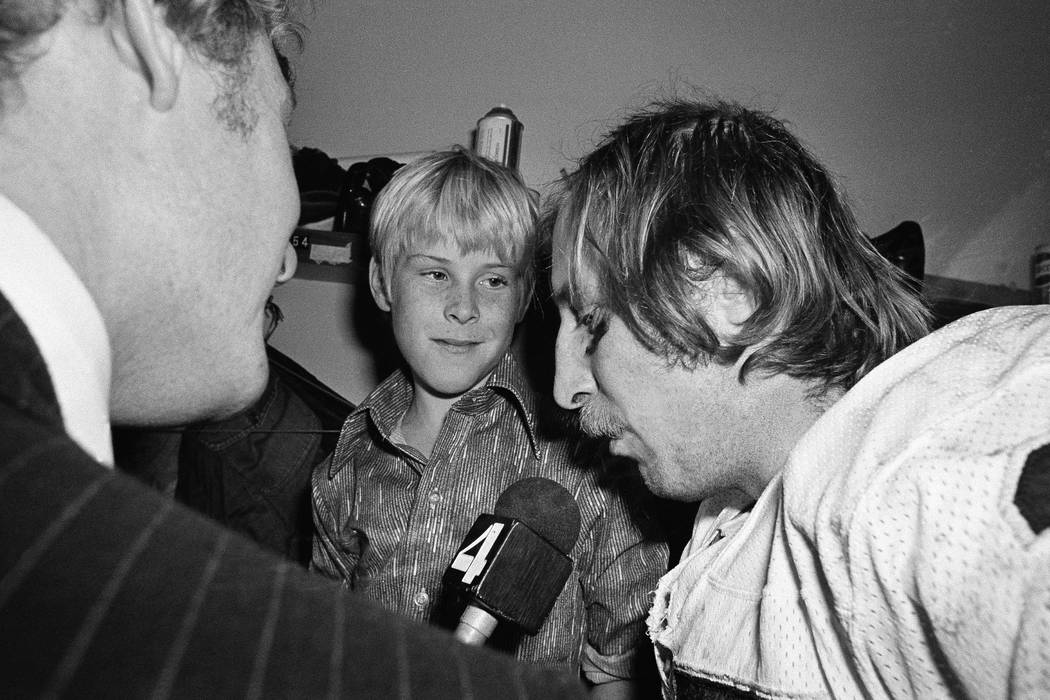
545, 507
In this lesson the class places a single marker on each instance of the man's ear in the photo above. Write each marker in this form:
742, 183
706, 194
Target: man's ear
375, 283
727, 305
145, 41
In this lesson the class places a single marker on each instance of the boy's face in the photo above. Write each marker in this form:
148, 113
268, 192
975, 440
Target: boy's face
453, 314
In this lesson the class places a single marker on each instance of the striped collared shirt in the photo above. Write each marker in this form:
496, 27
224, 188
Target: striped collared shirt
416, 511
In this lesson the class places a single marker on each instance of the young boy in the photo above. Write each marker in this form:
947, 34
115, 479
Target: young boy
453, 238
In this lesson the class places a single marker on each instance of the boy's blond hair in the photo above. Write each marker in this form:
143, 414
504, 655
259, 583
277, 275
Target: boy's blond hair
460, 197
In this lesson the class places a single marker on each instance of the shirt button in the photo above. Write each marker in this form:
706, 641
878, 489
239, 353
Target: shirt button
434, 497
421, 599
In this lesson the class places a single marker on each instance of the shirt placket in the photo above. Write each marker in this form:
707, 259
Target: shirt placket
431, 523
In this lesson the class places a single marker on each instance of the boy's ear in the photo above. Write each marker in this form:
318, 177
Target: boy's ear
375, 283
146, 43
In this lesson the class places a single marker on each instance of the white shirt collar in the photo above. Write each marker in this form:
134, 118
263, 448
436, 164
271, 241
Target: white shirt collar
65, 324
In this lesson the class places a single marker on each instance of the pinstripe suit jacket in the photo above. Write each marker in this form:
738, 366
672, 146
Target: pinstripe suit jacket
109, 589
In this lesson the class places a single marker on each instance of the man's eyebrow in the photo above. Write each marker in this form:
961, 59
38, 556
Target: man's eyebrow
288, 105
288, 99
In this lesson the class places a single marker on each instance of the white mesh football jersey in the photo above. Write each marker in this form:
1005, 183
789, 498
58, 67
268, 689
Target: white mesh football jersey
903, 552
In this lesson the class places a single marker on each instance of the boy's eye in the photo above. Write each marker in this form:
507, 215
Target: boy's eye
495, 282
436, 275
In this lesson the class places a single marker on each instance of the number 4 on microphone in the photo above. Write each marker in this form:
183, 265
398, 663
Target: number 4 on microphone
473, 558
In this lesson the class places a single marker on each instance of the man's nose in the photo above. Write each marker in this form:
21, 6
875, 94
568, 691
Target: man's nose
573, 382
462, 304
288, 264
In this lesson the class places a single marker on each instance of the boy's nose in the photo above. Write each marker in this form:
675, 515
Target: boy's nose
573, 382
462, 305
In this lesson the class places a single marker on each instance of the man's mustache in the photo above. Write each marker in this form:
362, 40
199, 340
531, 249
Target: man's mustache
597, 419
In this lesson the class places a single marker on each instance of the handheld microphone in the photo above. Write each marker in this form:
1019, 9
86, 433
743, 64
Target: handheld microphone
513, 564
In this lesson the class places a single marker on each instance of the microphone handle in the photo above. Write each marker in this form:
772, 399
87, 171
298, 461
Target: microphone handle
475, 626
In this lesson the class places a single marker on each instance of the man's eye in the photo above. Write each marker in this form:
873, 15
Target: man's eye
596, 321
592, 319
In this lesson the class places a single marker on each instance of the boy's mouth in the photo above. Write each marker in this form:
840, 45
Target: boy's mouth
454, 343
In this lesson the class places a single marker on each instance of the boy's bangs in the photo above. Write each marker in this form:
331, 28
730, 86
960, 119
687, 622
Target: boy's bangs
475, 223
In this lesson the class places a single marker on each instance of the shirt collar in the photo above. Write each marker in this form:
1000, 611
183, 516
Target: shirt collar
66, 326
507, 380
387, 403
